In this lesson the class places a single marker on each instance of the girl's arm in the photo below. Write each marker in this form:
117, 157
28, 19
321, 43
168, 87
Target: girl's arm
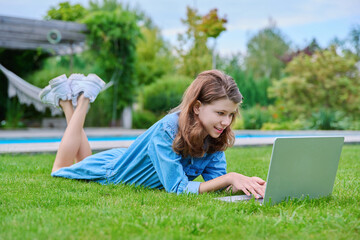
237, 182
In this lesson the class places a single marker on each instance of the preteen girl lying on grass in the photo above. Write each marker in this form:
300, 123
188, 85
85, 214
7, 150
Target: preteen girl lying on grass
186, 143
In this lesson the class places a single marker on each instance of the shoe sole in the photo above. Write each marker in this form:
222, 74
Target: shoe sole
94, 79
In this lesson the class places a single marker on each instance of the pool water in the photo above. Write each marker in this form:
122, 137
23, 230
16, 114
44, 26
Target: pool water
109, 138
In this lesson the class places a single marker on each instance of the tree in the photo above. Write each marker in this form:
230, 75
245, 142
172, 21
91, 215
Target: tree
113, 33
354, 39
213, 26
308, 50
154, 58
264, 50
351, 44
325, 80
66, 12
194, 53
253, 90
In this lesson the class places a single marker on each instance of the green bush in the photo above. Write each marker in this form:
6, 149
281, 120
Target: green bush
238, 124
164, 94
354, 125
56, 66
14, 114
100, 112
327, 79
289, 125
20, 62
112, 37
327, 119
253, 90
255, 117
143, 119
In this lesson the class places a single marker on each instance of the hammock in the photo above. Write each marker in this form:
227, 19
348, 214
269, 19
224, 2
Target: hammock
27, 94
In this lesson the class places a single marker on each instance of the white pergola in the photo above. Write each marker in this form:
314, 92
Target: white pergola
58, 37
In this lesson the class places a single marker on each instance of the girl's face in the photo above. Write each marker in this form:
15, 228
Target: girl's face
216, 116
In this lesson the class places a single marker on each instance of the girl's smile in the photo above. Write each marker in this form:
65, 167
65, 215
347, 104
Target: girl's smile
219, 130
216, 116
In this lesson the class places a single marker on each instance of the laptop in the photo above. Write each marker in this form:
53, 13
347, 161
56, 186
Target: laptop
300, 167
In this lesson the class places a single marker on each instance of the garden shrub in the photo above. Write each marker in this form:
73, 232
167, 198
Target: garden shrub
238, 124
255, 117
324, 80
253, 90
165, 94
112, 37
58, 65
354, 125
100, 112
20, 62
327, 119
143, 119
289, 125
14, 114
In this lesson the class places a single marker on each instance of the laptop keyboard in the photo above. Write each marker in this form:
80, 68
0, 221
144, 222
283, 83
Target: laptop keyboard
237, 198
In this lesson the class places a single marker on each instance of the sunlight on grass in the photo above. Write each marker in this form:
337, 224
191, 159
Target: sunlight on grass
33, 205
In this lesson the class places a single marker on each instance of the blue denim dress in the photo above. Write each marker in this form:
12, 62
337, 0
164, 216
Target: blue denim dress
150, 161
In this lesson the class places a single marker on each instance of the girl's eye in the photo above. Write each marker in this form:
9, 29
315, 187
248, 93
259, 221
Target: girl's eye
220, 113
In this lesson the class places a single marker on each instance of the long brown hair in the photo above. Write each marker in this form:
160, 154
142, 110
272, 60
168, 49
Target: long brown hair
192, 139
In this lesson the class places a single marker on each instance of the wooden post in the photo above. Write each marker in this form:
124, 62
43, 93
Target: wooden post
71, 57
214, 55
115, 78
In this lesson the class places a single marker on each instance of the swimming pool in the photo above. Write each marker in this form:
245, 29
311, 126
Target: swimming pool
117, 138
28, 143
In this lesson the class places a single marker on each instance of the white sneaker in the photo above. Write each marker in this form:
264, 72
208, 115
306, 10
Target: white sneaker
47, 96
90, 86
60, 87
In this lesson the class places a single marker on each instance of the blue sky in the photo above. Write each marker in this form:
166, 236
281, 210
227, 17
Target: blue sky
299, 21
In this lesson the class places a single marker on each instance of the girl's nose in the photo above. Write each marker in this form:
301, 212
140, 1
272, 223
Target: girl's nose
226, 121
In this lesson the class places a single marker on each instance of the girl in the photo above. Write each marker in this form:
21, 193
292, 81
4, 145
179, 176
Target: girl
186, 143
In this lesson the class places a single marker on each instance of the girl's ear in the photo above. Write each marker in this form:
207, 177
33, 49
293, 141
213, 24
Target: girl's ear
196, 107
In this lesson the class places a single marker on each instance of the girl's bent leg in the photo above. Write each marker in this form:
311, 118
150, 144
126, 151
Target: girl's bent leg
72, 139
85, 149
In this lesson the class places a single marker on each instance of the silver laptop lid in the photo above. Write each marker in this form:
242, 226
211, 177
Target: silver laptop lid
302, 166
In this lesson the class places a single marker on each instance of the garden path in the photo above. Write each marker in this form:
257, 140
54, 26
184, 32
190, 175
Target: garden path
120, 138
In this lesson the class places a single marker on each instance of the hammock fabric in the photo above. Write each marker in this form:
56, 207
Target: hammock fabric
27, 94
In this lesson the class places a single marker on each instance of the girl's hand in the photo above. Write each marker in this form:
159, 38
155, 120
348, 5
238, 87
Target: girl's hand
239, 182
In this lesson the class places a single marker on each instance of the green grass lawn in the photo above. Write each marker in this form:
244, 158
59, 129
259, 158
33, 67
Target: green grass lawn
33, 205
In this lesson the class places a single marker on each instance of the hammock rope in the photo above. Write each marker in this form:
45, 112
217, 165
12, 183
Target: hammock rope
29, 94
